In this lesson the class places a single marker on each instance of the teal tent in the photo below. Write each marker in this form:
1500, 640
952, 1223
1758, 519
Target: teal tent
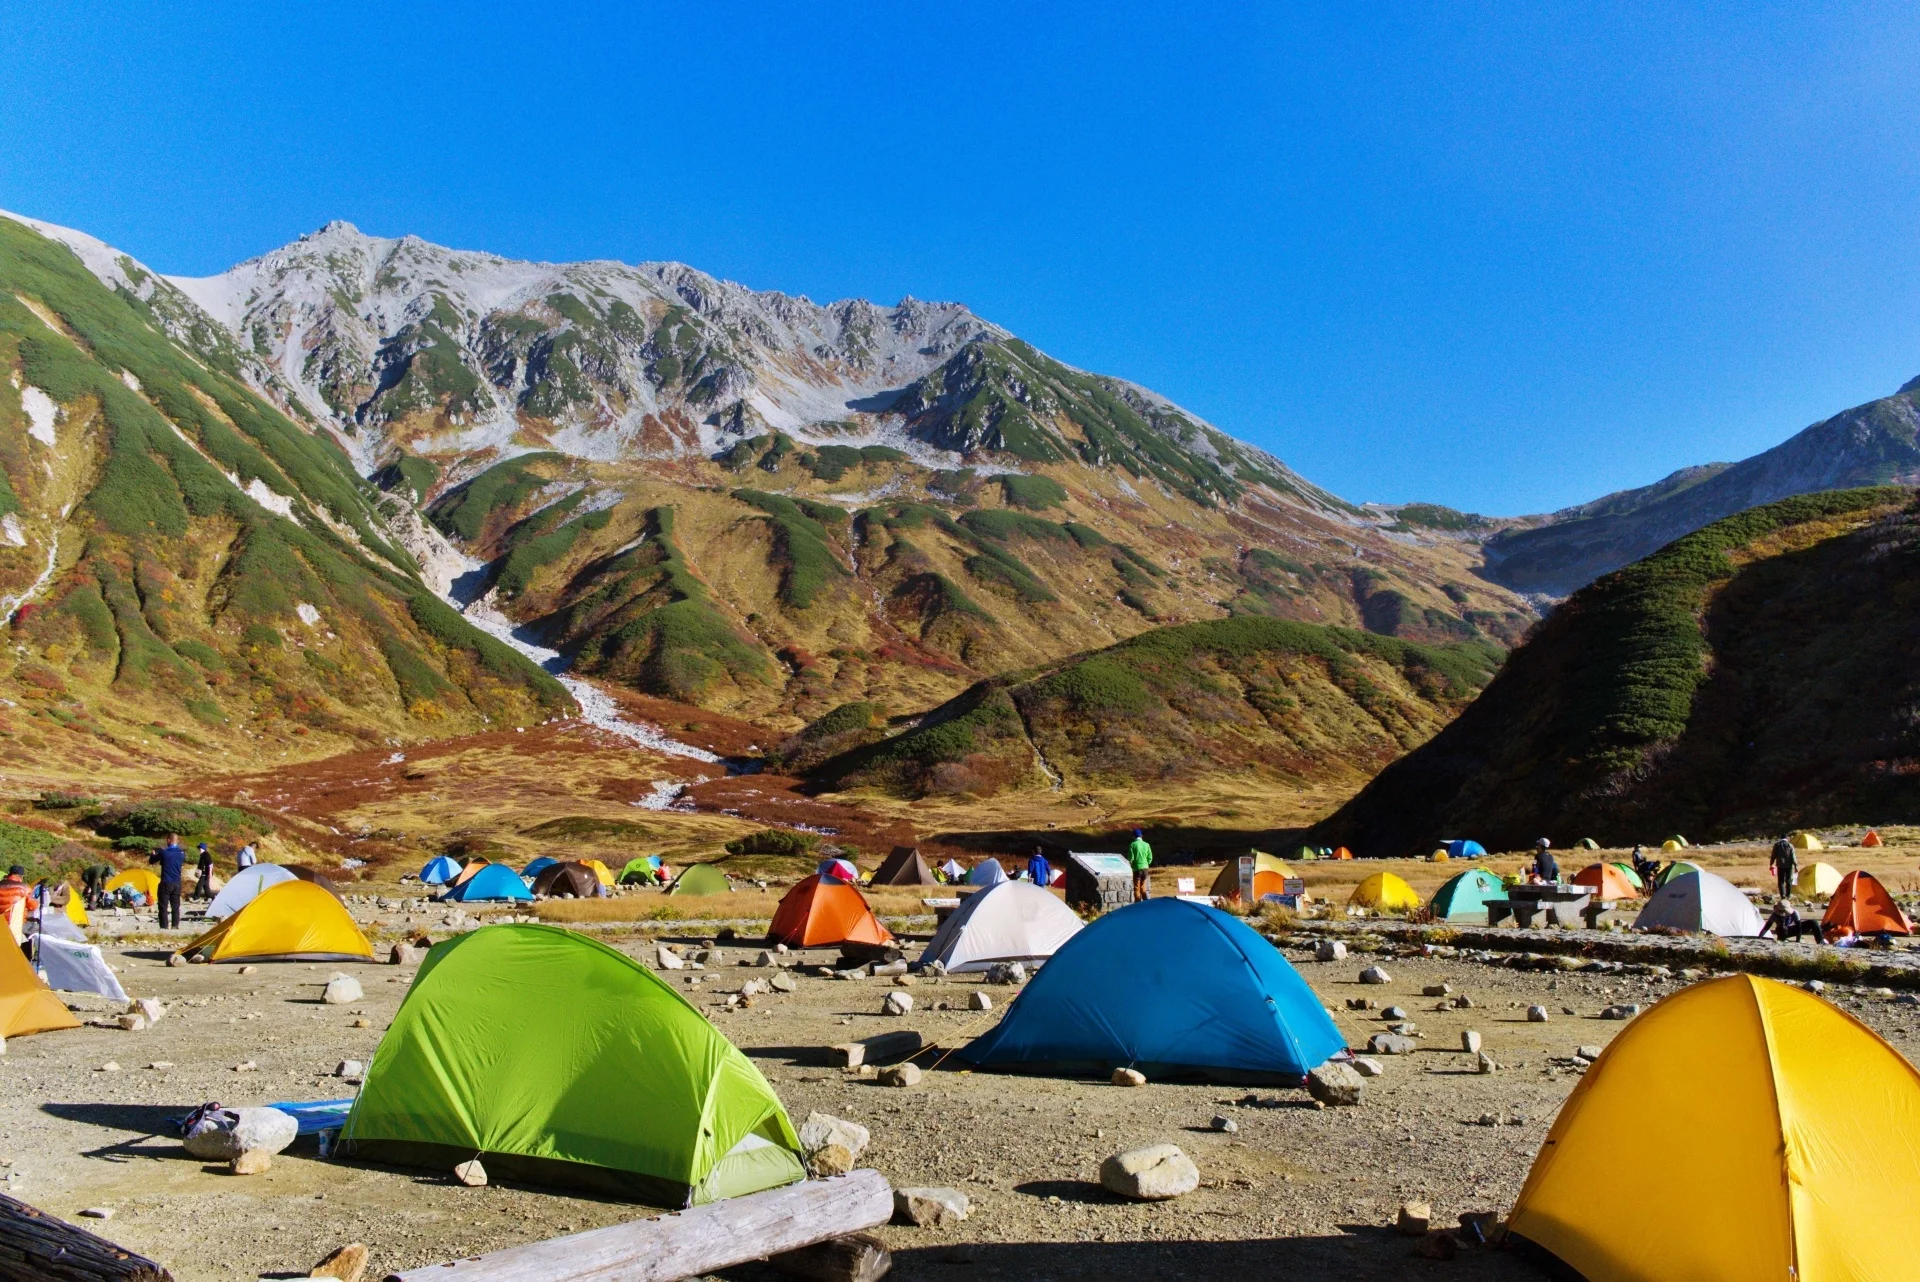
1464, 898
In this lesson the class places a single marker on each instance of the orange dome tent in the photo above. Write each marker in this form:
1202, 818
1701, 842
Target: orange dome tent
1269, 878
820, 912
1606, 882
1862, 906
1341, 852
473, 866
1871, 839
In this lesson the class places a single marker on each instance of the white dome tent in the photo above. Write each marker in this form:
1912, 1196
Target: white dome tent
1013, 921
987, 872
244, 888
1700, 901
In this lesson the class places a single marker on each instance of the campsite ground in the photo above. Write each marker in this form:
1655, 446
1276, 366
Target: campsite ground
1296, 1191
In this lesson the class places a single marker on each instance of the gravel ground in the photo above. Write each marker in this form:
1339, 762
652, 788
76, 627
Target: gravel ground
1297, 1192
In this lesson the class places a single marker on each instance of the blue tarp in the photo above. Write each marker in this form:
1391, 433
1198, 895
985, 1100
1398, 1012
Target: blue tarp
318, 1115
538, 866
1169, 987
439, 871
495, 881
1465, 849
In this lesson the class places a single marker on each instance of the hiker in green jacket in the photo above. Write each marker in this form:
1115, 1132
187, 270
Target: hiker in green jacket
1140, 855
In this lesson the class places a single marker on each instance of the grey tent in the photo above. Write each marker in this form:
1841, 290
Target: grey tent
1703, 902
904, 867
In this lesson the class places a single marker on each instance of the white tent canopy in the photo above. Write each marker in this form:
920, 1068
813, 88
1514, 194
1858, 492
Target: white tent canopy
244, 888
77, 968
1013, 921
953, 868
987, 872
1700, 901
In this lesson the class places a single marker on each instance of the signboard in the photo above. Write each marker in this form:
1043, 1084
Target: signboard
1103, 865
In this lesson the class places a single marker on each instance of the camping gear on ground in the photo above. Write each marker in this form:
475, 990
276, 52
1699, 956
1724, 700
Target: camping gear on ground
26, 1004
1606, 882
493, 882
1804, 841
292, 921
1098, 883
555, 1059
75, 966
1795, 1149
639, 872
1014, 921
1871, 839
245, 888
822, 911
1632, 878
1700, 901
1862, 906
1385, 890
1172, 988
839, 870
1678, 868
701, 879
904, 867
1816, 880
439, 870
538, 866
1268, 877
601, 872
987, 872
569, 880
1458, 848
144, 882
1464, 897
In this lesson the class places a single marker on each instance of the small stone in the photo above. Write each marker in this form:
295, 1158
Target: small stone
1368, 1067
752, 988
822, 1129
1626, 1010
1406, 1028
1225, 1125
828, 1161
1484, 1065
1414, 1219
161, 1064
348, 1264
1391, 1044
1336, 1084
897, 1003
133, 1023
98, 1213
1568, 1010
1488, 1119
471, 1173
248, 970
254, 1161
890, 968
1155, 1173
350, 1068
1436, 990
765, 959
1587, 1053
1394, 1012
176, 960
1463, 1002
1537, 1014
1362, 1003
928, 1208
979, 1001
1129, 1077
1470, 1041
108, 1067
904, 981
246, 1066
900, 1075
1375, 975
1007, 973
782, 983
1813, 985
361, 1023
1329, 950
342, 990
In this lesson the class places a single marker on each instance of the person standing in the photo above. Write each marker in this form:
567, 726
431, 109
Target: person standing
95, 877
1785, 864
1039, 869
203, 880
246, 858
1140, 855
173, 865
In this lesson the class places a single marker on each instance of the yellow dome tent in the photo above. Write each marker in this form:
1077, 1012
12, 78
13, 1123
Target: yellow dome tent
600, 870
288, 921
144, 880
26, 1004
1817, 879
1672, 844
1385, 890
1801, 1149
1806, 841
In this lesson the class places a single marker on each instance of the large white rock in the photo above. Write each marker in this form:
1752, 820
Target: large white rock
342, 990
223, 1136
822, 1129
1154, 1173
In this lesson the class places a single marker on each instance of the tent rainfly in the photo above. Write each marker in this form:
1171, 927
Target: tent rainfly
75, 966
1269, 878
494, 882
1464, 898
1385, 890
26, 1004
1862, 906
822, 911
438, 871
568, 880
1804, 841
533, 870
1816, 880
144, 881
1606, 882
1013, 921
1700, 901
904, 867
292, 921
245, 888
987, 872
700, 879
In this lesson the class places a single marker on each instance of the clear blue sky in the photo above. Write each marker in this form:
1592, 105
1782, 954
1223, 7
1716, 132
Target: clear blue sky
1504, 257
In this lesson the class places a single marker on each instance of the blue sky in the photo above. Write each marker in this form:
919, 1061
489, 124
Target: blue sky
1503, 257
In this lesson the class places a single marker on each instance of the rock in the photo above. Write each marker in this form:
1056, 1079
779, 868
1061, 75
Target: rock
1813, 985
752, 988
246, 1066
1391, 1044
133, 1023
1470, 1041
1588, 1053
1394, 1012
1154, 1173
251, 1162
1463, 1002
765, 959
904, 981
176, 960
350, 1068
98, 1213
890, 968
361, 1023
781, 950
907, 1074
1375, 975
1436, 990
1362, 1003
405, 955
161, 1064
1536, 1014
1129, 1077
109, 1067
248, 970
979, 1001
1626, 1010
1484, 1064
897, 1003
1225, 1125
348, 1264
1488, 1119
828, 1161
929, 1208
783, 983
1336, 1084
823, 1129
881, 1046
1007, 973
151, 1007
471, 1174
1368, 1067
1329, 950
342, 990
224, 1135
1415, 1219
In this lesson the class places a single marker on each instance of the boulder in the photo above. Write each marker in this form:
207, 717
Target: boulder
1154, 1173
907, 1074
828, 1161
897, 1003
1329, 950
1129, 1077
1007, 973
1470, 1042
1375, 975
928, 1208
1391, 1044
823, 1129
1336, 1084
342, 990
224, 1135
405, 955
979, 1001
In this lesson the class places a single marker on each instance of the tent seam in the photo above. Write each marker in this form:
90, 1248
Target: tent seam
1780, 1121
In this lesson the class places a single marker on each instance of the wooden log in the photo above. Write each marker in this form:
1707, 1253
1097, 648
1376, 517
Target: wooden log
37, 1247
881, 1048
857, 1257
685, 1243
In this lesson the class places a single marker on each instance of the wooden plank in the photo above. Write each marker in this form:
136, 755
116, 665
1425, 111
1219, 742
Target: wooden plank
857, 1257
685, 1243
37, 1247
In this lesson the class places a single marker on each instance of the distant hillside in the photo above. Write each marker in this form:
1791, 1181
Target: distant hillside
1270, 700
1757, 675
1872, 444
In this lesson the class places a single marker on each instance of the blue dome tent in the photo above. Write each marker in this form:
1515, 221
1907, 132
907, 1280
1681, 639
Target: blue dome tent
1169, 987
538, 866
1458, 849
440, 870
495, 881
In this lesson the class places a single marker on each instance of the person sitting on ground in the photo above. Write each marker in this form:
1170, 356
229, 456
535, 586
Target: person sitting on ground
173, 865
1545, 866
1784, 863
1038, 868
1140, 855
94, 879
203, 881
1784, 924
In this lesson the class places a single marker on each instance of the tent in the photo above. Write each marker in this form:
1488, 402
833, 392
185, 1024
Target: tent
701, 879
471, 867
1172, 988
1862, 906
570, 879
603, 873
823, 910
904, 867
1269, 878
495, 881
953, 868
558, 1060
1678, 868
839, 870
1459, 849
1341, 852
143, 880
1385, 890
1587, 843
1675, 842
987, 872
1700, 901
245, 888
75, 966
26, 1004
1014, 921
538, 866
439, 871
1464, 898
318, 878
292, 921
638, 872
1606, 882
1817, 880
1806, 841
1628, 874
1871, 839
65, 901
1791, 1146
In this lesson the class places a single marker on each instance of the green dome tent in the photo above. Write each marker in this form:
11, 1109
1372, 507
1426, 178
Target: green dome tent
1588, 843
557, 1060
1678, 868
1464, 898
700, 879
1633, 878
637, 871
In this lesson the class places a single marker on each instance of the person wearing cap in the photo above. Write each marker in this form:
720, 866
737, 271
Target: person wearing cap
1140, 855
1545, 866
173, 865
203, 880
